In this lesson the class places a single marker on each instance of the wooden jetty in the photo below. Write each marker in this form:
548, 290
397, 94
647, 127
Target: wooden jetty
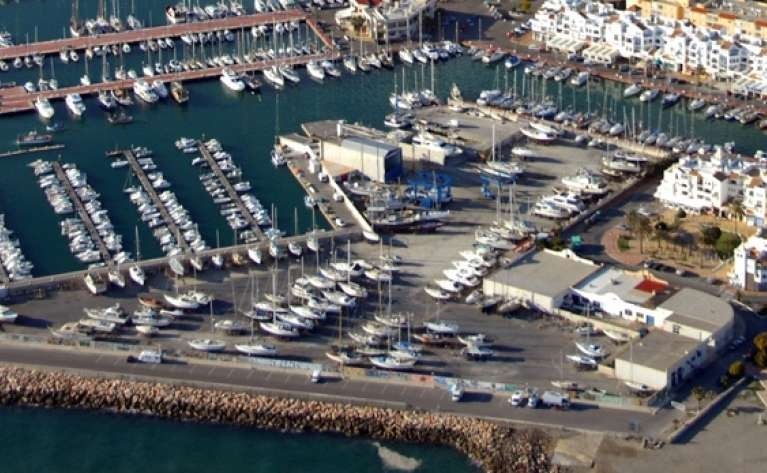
16, 99
35, 149
84, 216
231, 192
152, 192
157, 32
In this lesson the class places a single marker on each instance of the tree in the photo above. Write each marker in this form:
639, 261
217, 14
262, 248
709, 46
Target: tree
710, 234
660, 232
736, 370
357, 22
737, 211
644, 228
726, 244
760, 358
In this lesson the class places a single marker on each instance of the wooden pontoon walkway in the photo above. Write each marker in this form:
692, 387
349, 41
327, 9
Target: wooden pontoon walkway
231, 192
84, 216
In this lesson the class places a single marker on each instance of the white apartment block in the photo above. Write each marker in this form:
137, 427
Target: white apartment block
674, 44
395, 19
749, 270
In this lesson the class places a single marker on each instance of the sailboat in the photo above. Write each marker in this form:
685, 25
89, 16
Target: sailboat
208, 344
136, 272
217, 259
278, 328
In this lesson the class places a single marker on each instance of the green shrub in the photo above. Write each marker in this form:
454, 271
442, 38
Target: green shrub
736, 370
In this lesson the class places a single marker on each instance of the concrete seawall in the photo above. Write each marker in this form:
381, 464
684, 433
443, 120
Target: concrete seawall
495, 447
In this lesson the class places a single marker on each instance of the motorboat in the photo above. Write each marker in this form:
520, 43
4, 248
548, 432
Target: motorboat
95, 284
511, 62
638, 388
75, 104
391, 362
670, 99
353, 289
548, 210
230, 326
106, 100
618, 337
474, 352
207, 345
438, 293
315, 70
289, 74
274, 77
44, 107
479, 340
96, 325
537, 135
279, 329
584, 181
649, 95
255, 255
232, 80
145, 91
7, 315
583, 360
33, 138
147, 330
580, 79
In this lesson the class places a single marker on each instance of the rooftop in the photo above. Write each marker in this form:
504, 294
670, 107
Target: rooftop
697, 309
658, 350
631, 287
546, 272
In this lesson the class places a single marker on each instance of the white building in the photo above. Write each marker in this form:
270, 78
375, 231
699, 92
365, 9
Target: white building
395, 19
749, 269
702, 184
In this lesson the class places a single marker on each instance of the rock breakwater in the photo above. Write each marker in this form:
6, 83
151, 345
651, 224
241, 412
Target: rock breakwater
495, 447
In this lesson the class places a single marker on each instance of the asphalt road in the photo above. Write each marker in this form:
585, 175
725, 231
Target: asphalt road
361, 391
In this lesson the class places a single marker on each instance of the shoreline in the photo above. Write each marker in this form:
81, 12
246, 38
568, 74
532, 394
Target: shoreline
495, 448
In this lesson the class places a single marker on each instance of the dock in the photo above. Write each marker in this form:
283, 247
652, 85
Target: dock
34, 149
150, 33
17, 100
231, 192
152, 192
84, 216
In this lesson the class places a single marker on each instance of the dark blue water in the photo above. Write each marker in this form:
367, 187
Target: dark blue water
73, 441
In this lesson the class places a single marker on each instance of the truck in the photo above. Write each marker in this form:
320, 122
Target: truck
555, 399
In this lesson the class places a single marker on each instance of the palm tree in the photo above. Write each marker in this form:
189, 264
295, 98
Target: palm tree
737, 211
643, 229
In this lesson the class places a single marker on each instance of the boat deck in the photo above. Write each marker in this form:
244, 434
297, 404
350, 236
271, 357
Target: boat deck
231, 192
84, 216
152, 192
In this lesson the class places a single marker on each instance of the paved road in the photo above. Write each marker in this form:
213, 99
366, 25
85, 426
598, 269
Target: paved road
475, 404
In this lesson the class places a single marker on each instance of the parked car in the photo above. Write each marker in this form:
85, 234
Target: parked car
533, 401
518, 398
316, 376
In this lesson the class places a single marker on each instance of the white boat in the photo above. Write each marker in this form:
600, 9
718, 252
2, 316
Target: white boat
618, 337
254, 253
75, 104
289, 74
176, 266
147, 330
144, 91
638, 388
537, 135
437, 293
371, 237
256, 349
44, 107
353, 289
580, 79
96, 325
405, 55
137, 274
442, 327
274, 77
582, 360
295, 249
390, 362
181, 301
346, 357
479, 340
547, 210
7, 315
632, 90
116, 278
230, 326
207, 345
279, 329
585, 182
232, 80
94, 284
592, 350
449, 285
649, 95
315, 70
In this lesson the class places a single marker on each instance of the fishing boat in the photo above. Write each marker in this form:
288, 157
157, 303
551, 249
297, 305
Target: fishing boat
33, 138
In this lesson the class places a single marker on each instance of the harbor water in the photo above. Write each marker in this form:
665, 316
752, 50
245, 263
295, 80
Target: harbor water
246, 125
65, 441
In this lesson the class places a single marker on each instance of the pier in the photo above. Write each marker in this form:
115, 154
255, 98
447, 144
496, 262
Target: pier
35, 149
231, 192
150, 33
84, 216
152, 192
16, 99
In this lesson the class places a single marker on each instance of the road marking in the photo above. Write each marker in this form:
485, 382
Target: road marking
230, 373
211, 371
116, 362
403, 391
364, 387
384, 388
250, 373
269, 375
423, 391
99, 358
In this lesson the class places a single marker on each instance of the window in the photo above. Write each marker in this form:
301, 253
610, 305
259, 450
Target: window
675, 329
628, 312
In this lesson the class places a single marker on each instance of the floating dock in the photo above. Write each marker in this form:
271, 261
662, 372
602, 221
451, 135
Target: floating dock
84, 216
231, 192
35, 149
152, 192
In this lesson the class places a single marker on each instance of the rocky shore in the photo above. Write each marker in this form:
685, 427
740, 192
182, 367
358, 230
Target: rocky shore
496, 448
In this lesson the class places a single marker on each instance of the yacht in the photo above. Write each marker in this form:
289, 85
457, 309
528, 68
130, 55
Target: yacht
232, 80
586, 182
696, 105
350, 63
274, 77
256, 349
580, 79
44, 107
137, 274
179, 93
144, 91
207, 345
181, 301
632, 91
670, 99
94, 284
405, 56
75, 104
548, 210
289, 74
279, 329
107, 101
315, 70
160, 89
649, 95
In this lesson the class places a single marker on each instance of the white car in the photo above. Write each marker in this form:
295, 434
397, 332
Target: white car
340, 222
533, 401
518, 398
338, 197
316, 376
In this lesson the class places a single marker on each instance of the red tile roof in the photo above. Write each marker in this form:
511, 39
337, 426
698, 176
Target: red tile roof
651, 286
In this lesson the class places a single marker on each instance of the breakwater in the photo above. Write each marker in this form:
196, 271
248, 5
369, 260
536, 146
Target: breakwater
497, 448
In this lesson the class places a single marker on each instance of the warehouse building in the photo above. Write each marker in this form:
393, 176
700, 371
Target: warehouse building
541, 279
